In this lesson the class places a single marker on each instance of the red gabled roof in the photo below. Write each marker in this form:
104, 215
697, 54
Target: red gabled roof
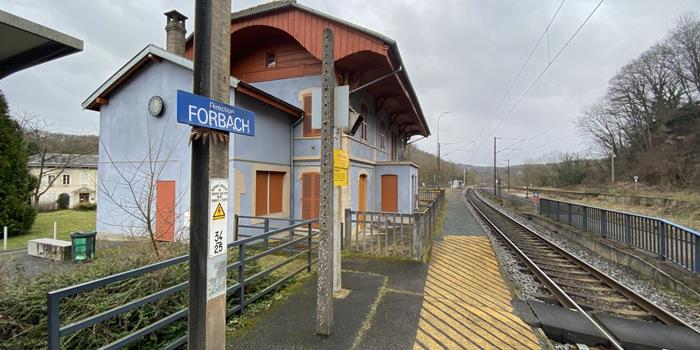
306, 26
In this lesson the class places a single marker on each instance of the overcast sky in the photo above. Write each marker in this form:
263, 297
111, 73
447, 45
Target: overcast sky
461, 55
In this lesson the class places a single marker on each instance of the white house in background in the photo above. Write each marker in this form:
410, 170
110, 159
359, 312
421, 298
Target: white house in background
75, 175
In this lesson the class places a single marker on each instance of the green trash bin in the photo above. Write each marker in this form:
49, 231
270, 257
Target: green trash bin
83, 245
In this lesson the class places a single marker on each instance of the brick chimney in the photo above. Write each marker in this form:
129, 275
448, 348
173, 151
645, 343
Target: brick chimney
175, 32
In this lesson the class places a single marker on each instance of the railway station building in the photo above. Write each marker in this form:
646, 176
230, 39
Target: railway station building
144, 155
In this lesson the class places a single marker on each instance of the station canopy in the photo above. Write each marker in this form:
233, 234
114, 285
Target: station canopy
26, 44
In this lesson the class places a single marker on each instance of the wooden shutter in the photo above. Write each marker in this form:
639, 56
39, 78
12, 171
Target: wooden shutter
276, 188
310, 195
390, 193
306, 197
316, 182
261, 193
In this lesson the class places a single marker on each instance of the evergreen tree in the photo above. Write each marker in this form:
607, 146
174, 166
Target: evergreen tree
16, 184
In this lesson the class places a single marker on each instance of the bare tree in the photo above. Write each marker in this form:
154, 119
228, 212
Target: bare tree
50, 162
134, 194
684, 40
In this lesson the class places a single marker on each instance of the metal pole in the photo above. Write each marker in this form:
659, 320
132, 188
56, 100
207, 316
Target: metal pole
55, 228
437, 175
210, 154
337, 218
494, 168
324, 293
508, 174
4, 238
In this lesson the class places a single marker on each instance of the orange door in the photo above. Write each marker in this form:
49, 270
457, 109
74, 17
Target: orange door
390, 193
165, 210
310, 195
362, 197
362, 193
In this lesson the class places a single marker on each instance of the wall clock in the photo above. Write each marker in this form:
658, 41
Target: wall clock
155, 106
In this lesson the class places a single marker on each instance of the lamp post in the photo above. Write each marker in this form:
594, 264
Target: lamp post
438, 178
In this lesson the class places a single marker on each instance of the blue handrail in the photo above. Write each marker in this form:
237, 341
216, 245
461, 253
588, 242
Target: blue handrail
668, 240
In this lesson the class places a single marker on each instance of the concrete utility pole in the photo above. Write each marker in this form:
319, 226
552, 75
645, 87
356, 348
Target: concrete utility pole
324, 296
210, 154
612, 169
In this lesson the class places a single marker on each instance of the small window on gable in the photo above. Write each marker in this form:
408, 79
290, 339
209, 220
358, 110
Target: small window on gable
270, 59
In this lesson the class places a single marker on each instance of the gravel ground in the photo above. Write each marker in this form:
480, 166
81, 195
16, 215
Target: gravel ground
687, 311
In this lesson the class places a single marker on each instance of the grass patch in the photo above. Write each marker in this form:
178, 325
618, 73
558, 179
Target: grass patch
68, 221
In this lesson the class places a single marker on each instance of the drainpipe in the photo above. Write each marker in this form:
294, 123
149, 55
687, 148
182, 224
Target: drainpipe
291, 167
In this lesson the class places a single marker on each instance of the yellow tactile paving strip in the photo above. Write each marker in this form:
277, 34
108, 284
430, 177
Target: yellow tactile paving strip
466, 304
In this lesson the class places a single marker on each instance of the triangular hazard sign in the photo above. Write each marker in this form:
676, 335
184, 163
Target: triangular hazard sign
219, 213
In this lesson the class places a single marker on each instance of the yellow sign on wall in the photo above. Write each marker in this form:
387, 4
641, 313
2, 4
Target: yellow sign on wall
341, 164
341, 159
340, 177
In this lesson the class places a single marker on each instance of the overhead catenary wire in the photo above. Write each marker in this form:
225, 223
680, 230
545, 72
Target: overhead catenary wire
546, 68
522, 69
541, 74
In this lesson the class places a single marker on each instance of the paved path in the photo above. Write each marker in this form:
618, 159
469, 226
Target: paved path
381, 311
459, 221
466, 303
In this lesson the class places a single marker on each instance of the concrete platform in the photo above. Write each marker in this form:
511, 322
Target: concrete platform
381, 312
466, 303
459, 221
48, 248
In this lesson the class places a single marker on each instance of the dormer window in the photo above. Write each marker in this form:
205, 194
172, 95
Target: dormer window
270, 59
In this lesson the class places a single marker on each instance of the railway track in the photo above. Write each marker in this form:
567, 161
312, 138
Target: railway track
568, 280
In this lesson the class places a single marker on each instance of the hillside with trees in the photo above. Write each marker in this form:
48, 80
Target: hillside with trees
649, 119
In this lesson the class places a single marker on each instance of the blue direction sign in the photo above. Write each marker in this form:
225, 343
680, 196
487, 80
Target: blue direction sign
200, 111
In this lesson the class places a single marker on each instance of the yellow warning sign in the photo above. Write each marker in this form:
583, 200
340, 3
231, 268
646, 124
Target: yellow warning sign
341, 159
340, 177
219, 213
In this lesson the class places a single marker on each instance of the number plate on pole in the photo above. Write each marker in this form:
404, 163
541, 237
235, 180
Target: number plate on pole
218, 206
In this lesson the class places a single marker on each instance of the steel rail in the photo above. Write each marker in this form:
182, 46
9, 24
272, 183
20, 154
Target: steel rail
559, 293
662, 314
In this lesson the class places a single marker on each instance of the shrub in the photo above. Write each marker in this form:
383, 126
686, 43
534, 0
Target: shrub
86, 206
23, 309
63, 201
46, 207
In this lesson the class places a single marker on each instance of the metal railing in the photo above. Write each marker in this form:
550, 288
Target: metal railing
670, 241
513, 198
56, 330
393, 234
249, 226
